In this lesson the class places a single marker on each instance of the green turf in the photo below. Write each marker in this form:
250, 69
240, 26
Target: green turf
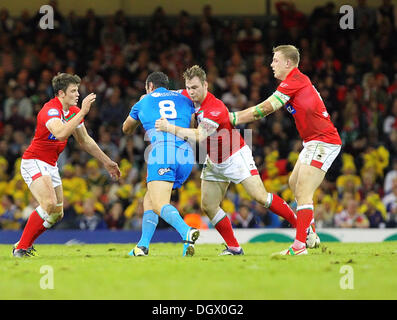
107, 272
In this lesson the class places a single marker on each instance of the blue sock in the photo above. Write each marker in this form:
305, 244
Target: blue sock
149, 224
171, 215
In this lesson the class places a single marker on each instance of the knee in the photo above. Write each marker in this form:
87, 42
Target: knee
261, 197
207, 208
49, 205
303, 196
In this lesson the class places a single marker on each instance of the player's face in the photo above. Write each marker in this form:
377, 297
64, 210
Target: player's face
196, 89
279, 65
71, 96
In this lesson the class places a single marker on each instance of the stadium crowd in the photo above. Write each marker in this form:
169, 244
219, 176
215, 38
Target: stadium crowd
354, 71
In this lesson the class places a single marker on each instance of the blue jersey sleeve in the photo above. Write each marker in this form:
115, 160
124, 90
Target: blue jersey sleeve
135, 111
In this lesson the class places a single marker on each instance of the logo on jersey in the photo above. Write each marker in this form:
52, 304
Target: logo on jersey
325, 114
53, 112
283, 84
163, 94
290, 108
51, 137
215, 113
163, 171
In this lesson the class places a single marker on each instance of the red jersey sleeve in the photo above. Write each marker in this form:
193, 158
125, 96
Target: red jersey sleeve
49, 114
291, 85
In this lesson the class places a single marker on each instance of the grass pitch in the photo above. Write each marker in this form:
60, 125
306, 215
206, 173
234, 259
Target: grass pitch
334, 271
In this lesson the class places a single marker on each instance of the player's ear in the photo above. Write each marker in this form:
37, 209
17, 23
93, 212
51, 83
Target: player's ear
61, 94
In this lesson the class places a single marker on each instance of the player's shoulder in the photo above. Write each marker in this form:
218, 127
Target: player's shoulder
51, 108
215, 104
295, 78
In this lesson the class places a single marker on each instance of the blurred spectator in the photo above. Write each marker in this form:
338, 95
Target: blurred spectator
374, 210
10, 214
324, 213
248, 36
389, 178
91, 219
6, 22
244, 218
112, 31
115, 218
386, 10
107, 145
290, 17
70, 217
390, 203
350, 217
364, 16
23, 105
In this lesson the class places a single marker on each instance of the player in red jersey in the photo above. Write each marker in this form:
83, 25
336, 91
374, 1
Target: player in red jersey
228, 159
56, 121
321, 140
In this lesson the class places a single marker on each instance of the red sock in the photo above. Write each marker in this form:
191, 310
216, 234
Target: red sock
34, 227
305, 216
37, 234
281, 208
224, 227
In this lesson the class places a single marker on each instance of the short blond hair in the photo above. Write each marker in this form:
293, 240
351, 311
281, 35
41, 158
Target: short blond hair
195, 71
289, 52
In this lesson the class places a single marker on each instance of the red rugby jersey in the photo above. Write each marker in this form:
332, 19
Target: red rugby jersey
307, 107
227, 140
45, 146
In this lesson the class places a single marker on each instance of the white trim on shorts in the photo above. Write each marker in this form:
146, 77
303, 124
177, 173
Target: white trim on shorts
238, 167
319, 154
31, 169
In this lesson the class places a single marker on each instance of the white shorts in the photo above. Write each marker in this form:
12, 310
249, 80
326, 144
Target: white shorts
238, 167
319, 154
31, 169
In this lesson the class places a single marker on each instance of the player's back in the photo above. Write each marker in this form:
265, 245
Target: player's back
167, 104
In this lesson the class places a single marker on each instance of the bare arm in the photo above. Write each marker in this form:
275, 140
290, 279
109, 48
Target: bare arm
61, 130
193, 121
89, 145
130, 125
259, 111
199, 134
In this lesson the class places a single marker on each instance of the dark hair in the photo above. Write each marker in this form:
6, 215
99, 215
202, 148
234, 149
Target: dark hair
159, 79
62, 81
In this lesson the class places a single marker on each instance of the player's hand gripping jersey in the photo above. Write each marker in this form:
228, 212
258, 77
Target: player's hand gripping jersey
226, 141
303, 101
170, 158
45, 146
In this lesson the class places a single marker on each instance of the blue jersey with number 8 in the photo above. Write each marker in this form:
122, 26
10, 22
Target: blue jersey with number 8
167, 104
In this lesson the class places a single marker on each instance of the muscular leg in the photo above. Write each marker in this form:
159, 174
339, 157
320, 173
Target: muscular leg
149, 222
160, 195
212, 194
293, 178
308, 180
255, 188
44, 192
